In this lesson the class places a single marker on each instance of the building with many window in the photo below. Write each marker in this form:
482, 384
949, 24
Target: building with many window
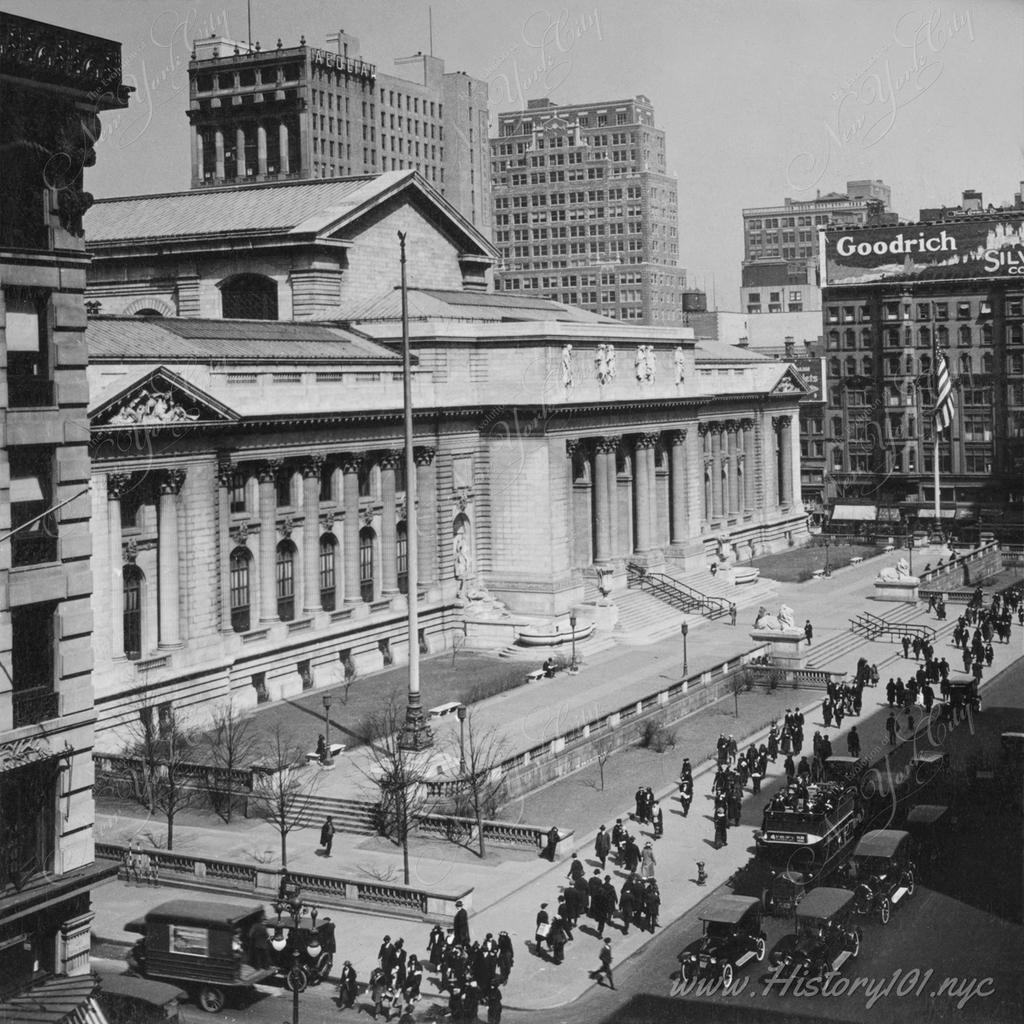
896, 300
54, 83
248, 495
306, 112
585, 211
780, 244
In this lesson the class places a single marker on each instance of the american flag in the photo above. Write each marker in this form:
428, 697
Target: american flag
944, 399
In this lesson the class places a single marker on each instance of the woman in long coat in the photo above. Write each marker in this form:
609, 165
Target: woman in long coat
647, 861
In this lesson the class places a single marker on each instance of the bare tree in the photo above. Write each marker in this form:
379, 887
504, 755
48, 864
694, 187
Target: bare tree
283, 785
603, 749
400, 776
482, 786
231, 746
166, 748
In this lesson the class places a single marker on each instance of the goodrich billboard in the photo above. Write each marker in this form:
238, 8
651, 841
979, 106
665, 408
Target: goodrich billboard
987, 247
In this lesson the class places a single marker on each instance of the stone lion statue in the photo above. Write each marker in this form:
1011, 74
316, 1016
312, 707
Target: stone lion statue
786, 617
895, 573
779, 623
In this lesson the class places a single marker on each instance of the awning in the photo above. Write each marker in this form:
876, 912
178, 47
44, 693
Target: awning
944, 513
59, 1000
863, 513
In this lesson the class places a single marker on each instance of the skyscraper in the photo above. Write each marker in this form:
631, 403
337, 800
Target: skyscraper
305, 112
585, 211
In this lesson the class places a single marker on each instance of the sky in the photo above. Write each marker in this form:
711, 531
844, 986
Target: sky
760, 99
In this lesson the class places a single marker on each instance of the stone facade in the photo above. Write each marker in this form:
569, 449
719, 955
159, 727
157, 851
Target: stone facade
55, 84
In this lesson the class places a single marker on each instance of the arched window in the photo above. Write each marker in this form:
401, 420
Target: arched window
908, 362
924, 337
132, 597
240, 564
328, 572
926, 364
286, 581
366, 541
965, 363
837, 426
1014, 334
986, 334
148, 312
249, 297
942, 336
987, 362
849, 338
835, 367
851, 366
964, 335
402, 557
867, 366
865, 337
892, 337
833, 339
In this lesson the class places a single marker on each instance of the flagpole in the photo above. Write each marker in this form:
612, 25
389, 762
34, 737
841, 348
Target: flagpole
415, 733
935, 423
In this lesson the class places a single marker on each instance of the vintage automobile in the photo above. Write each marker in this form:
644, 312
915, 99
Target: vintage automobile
199, 945
825, 936
881, 872
732, 937
784, 892
928, 825
962, 695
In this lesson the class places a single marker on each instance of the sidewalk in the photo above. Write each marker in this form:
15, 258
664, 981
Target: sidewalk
510, 885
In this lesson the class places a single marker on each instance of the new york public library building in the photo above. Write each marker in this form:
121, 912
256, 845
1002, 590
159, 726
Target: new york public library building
248, 496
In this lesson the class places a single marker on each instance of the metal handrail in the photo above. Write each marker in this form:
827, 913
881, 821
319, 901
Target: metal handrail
692, 600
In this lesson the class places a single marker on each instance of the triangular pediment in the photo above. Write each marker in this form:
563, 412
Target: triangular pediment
791, 383
161, 398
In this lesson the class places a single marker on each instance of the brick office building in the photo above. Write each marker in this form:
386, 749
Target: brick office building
54, 83
249, 506
780, 271
585, 211
894, 297
305, 112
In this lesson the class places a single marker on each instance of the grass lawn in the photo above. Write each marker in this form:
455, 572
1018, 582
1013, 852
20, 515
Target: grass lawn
800, 564
467, 678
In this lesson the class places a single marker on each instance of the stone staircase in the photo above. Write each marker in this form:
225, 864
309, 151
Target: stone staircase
594, 644
353, 817
744, 595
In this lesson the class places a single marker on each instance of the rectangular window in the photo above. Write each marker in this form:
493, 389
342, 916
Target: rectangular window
34, 526
239, 486
28, 362
33, 663
28, 807
284, 488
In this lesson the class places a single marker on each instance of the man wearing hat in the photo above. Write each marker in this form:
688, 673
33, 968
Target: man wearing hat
461, 925
605, 969
602, 846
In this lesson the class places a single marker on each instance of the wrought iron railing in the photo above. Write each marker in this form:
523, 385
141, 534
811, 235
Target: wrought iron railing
873, 627
35, 705
678, 595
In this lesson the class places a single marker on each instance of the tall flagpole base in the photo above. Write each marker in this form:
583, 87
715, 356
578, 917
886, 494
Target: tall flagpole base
416, 734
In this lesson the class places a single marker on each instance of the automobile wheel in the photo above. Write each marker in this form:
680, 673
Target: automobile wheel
885, 909
211, 998
727, 976
855, 952
296, 980
686, 972
760, 949
910, 883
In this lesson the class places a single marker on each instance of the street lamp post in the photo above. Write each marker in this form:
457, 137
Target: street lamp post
327, 760
461, 712
572, 626
828, 564
910, 550
686, 667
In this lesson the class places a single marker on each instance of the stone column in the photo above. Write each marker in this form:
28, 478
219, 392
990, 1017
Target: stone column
717, 496
679, 526
261, 149
652, 480
611, 449
749, 467
199, 154
117, 484
704, 434
282, 135
350, 531
600, 490
168, 557
643, 487
311, 470
240, 152
426, 515
225, 481
218, 154
735, 508
267, 475
786, 461
388, 534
